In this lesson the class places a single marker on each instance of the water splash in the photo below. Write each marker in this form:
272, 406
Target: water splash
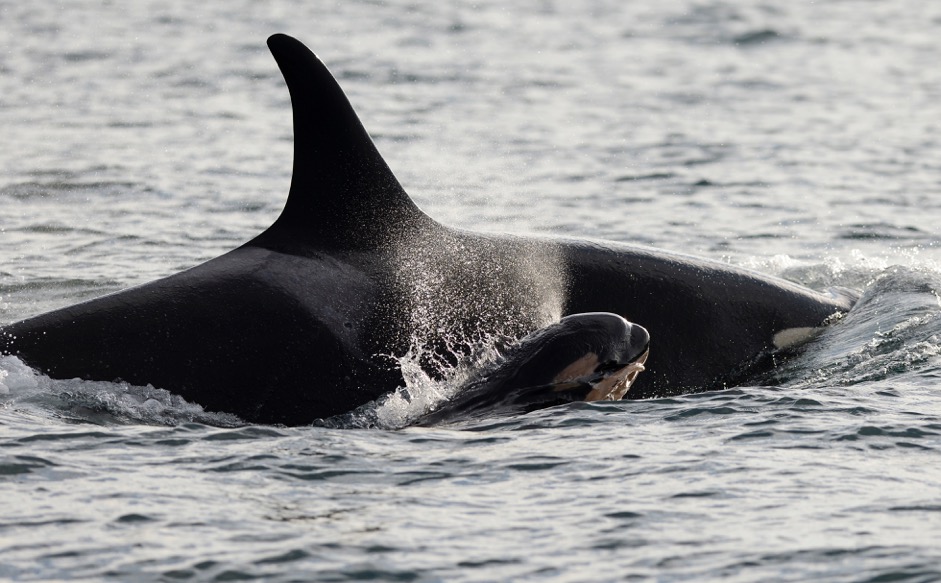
423, 392
16, 377
465, 301
894, 329
855, 269
462, 294
99, 402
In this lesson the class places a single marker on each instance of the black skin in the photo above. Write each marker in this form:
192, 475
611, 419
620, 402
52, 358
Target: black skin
300, 322
527, 377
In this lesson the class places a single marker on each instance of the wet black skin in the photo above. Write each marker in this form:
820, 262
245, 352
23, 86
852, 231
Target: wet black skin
528, 376
294, 325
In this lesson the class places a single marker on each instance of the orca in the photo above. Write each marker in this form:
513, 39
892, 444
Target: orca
310, 318
583, 357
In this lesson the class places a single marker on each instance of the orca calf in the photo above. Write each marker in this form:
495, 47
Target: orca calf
583, 357
305, 320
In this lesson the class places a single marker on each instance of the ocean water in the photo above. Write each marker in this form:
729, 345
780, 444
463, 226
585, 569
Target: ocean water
797, 139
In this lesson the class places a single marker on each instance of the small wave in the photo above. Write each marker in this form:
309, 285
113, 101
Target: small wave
884, 231
99, 402
854, 270
757, 37
82, 56
894, 329
31, 190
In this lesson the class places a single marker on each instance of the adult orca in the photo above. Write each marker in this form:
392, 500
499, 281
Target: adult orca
583, 357
305, 320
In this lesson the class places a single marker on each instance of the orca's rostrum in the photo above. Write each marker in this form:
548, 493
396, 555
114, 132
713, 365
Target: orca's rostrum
306, 320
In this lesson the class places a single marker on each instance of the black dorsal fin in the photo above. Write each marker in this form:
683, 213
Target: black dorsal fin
343, 194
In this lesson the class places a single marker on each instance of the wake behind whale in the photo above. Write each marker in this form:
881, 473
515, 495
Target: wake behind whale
353, 275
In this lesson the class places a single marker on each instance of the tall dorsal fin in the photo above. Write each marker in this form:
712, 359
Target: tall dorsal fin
343, 194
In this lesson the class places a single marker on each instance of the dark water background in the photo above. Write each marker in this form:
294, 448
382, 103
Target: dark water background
799, 139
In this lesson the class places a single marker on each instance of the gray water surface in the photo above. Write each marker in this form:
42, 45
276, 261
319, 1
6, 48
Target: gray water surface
798, 139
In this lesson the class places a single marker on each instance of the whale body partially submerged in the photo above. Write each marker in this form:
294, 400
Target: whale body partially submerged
305, 320
583, 357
